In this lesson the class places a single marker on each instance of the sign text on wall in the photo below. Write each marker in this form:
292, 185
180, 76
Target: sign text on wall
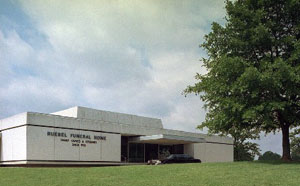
77, 139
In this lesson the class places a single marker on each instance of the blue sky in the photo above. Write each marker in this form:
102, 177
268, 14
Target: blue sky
126, 56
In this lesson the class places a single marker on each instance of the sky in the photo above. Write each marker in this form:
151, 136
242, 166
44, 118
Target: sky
129, 56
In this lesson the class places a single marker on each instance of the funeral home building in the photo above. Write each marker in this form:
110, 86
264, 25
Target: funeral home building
84, 136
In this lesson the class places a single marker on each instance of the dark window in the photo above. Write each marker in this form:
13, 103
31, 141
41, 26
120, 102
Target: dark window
136, 152
178, 149
151, 152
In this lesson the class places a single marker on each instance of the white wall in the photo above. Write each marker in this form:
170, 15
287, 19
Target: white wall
33, 143
213, 152
16, 120
111, 148
44, 147
189, 149
71, 112
13, 144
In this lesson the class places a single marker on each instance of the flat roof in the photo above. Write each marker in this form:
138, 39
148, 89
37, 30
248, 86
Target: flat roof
166, 139
149, 129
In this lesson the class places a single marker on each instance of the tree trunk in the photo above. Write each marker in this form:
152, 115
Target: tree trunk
286, 155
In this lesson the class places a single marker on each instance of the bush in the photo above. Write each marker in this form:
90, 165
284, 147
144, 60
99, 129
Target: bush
269, 156
295, 144
295, 156
245, 151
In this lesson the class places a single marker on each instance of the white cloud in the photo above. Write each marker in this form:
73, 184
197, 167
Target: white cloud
132, 56
22, 85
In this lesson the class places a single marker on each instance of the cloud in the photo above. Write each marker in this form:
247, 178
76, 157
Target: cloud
130, 56
21, 87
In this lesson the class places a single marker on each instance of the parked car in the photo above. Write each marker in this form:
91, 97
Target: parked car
180, 158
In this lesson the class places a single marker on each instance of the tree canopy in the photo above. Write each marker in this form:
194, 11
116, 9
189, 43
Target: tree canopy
253, 64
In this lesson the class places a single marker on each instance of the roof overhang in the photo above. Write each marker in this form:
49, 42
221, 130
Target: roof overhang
166, 139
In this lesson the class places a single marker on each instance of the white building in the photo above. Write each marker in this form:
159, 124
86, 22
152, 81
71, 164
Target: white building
84, 136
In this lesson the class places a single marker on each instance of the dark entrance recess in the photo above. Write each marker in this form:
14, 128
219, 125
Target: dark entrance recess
166, 150
124, 148
142, 152
172, 149
178, 149
136, 152
151, 152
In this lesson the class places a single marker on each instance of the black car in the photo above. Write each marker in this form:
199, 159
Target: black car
180, 158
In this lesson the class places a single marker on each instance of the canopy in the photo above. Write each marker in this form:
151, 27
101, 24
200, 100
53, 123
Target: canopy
166, 139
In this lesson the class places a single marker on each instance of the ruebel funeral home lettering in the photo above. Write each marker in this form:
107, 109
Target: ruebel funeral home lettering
77, 140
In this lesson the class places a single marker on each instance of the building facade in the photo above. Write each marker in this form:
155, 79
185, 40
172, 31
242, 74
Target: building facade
84, 136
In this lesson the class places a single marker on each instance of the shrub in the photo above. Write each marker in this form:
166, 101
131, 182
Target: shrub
295, 156
269, 156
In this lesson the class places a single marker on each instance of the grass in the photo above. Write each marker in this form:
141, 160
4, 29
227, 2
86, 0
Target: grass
214, 174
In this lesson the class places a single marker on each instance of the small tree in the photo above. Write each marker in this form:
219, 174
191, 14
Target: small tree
245, 150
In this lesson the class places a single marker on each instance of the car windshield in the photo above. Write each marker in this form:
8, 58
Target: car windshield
180, 156
170, 157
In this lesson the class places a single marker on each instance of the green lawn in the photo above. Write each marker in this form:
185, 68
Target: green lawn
238, 173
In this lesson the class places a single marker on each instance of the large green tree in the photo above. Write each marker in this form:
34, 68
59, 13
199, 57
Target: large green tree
253, 64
